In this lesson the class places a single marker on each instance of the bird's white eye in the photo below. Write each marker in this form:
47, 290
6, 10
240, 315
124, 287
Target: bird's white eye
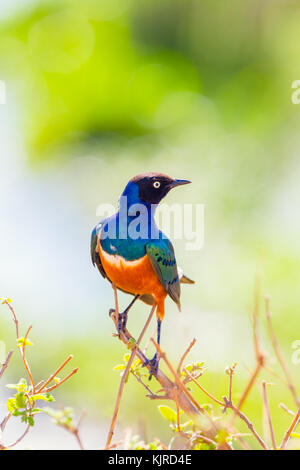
156, 184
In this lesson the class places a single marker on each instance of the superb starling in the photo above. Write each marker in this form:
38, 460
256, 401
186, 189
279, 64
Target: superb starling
133, 254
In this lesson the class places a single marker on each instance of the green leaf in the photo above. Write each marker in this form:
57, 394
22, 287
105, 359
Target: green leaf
126, 357
13, 386
30, 420
18, 413
167, 413
119, 367
11, 404
24, 342
49, 397
20, 400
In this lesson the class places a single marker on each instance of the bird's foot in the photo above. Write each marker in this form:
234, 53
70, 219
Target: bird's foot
122, 321
111, 311
154, 366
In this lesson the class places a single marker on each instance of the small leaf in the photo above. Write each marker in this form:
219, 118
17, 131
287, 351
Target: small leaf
49, 397
131, 343
167, 413
30, 420
20, 400
11, 404
14, 386
24, 342
126, 357
119, 367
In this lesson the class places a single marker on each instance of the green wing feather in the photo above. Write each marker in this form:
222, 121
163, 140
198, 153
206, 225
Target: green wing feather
163, 260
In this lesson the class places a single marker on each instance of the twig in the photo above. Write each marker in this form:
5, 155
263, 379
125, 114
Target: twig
290, 430
26, 365
14, 317
177, 412
49, 389
167, 385
143, 384
184, 355
76, 430
203, 389
55, 373
259, 355
285, 408
176, 377
279, 354
267, 408
9, 446
250, 426
124, 376
4, 366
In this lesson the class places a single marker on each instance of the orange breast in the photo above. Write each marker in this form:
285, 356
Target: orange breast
136, 277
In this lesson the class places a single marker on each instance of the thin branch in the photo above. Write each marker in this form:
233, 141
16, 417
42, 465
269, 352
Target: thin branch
250, 426
176, 377
177, 412
285, 408
49, 389
55, 373
290, 430
26, 365
203, 389
167, 385
279, 354
13, 444
259, 355
75, 431
185, 354
267, 408
124, 376
5, 365
14, 317
143, 384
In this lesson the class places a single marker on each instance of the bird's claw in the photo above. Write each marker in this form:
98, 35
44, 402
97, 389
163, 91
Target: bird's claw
154, 366
122, 321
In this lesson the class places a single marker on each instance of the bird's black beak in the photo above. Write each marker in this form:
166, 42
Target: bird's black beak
178, 183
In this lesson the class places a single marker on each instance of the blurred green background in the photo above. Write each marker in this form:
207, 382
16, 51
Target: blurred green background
101, 90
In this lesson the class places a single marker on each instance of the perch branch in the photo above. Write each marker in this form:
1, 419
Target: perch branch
279, 354
290, 430
124, 376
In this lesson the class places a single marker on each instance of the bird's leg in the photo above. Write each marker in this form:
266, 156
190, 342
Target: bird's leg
122, 320
154, 361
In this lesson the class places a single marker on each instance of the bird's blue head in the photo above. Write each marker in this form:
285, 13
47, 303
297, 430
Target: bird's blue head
150, 188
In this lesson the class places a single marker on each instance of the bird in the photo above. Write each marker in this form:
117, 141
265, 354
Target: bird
134, 255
